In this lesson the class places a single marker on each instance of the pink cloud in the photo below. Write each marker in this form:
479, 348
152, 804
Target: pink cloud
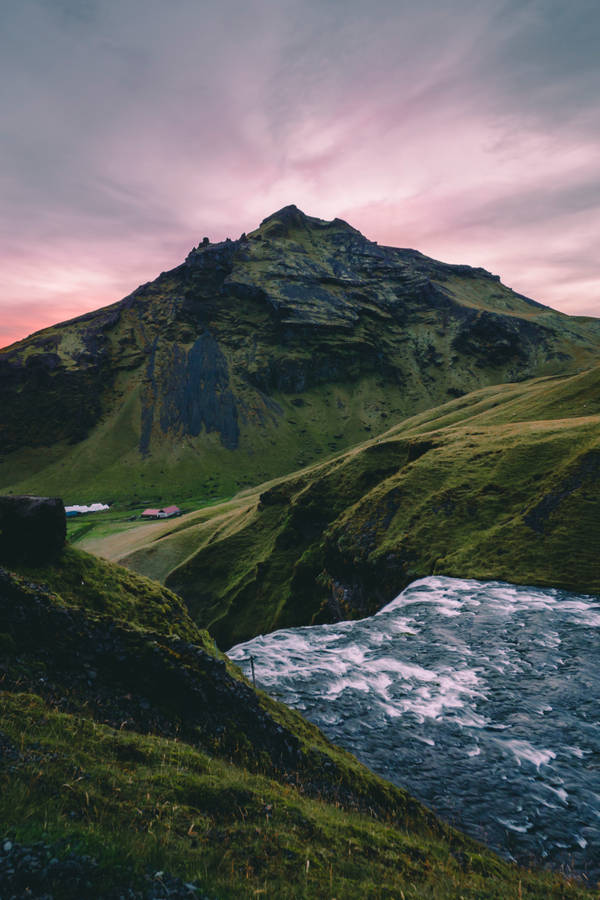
136, 131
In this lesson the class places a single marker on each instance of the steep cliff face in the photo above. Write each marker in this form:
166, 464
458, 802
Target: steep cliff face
258, 355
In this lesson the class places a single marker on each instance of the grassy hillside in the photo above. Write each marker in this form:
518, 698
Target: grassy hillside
135, 758
257, 357
501, 483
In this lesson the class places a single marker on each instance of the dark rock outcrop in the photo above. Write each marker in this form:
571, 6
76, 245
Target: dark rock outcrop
197, 395
43, 871
32, 529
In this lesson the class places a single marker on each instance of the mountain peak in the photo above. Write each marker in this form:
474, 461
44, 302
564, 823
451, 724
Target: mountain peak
285, 221
289, 213
290, 218
289, 210
218, 352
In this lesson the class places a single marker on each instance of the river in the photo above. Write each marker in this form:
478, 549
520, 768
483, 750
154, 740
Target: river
480, 698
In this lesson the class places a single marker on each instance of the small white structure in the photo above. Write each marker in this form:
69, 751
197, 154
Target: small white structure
78, 510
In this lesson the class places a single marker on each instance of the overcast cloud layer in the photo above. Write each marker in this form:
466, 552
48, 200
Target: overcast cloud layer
132, 128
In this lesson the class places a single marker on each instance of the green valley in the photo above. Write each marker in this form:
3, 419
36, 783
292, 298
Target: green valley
502, 484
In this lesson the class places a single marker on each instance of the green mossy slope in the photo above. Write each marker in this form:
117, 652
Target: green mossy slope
134, 741
79, 579
503, 484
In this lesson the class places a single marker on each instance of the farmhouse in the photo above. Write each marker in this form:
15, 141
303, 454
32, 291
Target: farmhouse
166, 512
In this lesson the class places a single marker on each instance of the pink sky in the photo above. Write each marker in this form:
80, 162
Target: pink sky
468, 131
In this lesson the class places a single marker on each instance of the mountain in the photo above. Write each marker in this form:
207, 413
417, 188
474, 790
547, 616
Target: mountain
502, 483
136, 761
258, 356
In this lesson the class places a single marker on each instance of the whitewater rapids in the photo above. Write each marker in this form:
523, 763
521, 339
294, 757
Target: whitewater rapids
481, 699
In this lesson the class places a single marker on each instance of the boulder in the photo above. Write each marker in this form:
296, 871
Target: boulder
33, 530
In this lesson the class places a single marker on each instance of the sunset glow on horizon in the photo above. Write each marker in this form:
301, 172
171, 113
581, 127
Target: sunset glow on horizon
468, 131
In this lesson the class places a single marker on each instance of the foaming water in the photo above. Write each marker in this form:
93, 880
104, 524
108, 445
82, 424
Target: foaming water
481, 699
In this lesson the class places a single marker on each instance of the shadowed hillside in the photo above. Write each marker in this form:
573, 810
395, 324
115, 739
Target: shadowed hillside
258, 356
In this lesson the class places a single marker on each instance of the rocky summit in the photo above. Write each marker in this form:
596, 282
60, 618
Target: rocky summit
259, 355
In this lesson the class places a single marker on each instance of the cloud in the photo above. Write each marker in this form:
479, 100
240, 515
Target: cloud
133, 128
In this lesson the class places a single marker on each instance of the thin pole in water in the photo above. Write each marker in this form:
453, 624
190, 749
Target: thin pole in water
252, 667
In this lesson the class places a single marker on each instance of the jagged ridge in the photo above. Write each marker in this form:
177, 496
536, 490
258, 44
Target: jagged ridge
258, 355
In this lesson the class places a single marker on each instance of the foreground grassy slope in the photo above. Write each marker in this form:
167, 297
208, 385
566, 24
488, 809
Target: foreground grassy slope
501, 483
129, 738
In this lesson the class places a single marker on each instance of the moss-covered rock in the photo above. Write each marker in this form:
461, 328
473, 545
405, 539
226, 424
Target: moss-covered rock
32, 529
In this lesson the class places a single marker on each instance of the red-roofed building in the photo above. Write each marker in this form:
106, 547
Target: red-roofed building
167, 512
